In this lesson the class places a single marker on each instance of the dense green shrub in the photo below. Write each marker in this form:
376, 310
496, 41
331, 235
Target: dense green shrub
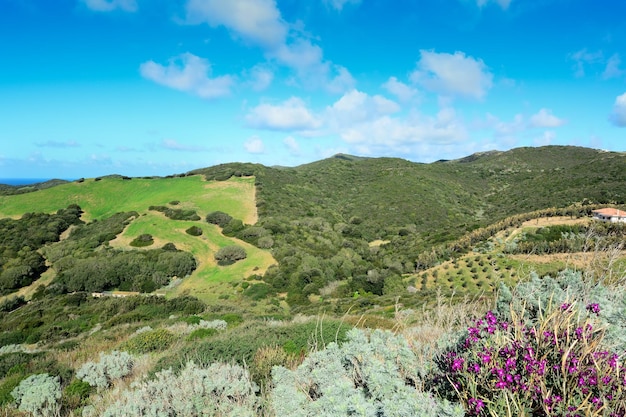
177, 214
219, 218
194, 231
230, 254
142, 240
369, 375
201, 333
39, 395
150, 341
217, 390
76, 394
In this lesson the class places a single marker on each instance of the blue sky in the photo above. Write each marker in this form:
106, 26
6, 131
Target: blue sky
158, 87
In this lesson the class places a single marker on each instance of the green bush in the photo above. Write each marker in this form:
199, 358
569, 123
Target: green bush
76, 394
151, 341
201, 334
230, 254
219, 218
194, 231
142, 240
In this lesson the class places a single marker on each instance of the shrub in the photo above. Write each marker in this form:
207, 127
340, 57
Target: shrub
39, 395
111, 367
554, 366
230, 254
220, 390
541, 295
142, 240
201, 334
154, 340
219, 218
375, 374
76, 394
194, 231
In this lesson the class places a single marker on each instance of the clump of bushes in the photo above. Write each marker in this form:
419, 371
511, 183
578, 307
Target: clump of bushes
176, 214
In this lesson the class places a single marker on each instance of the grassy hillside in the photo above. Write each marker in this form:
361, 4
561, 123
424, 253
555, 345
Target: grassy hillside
111, 195
100, 199
381, 242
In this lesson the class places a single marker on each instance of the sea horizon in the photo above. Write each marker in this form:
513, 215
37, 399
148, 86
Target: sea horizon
25, 181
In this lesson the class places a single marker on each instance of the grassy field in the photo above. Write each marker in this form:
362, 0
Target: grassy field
100, 199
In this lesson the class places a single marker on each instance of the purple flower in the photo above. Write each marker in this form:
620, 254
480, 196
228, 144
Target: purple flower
594, 308
501, 384
475, 368
457, 364
475, 405
565, 306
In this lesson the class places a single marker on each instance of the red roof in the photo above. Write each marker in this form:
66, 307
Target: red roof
610, 212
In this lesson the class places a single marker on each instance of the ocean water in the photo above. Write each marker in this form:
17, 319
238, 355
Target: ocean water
22, 181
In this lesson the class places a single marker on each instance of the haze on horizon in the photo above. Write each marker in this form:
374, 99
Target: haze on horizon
152, 87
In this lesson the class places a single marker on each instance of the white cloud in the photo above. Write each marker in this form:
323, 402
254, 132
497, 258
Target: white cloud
612, 69
502, 3
292, 145
546, 139
387, 135
583, 58
292, 114
452, 74
260, 77
545, 118
618, 116
356, 106
255, 21
404, 92
254, 145
338, 4
188, 73
259, 23
110, 5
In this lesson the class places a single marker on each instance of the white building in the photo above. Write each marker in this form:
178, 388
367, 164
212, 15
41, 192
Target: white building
612, 215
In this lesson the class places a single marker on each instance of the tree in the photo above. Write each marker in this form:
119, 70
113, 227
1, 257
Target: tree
230, 254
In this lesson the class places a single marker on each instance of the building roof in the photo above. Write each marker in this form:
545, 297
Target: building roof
610, 212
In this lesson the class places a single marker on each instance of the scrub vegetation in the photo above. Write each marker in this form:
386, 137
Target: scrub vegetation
349, 286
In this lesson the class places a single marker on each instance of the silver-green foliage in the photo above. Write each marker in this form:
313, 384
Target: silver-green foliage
219, 390
540, 296
111, 367
373, 374
39, 395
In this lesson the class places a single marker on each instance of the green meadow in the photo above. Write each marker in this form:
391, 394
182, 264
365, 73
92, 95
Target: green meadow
110, 195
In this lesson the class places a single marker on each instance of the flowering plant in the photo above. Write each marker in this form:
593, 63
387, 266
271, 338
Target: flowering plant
555, 366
